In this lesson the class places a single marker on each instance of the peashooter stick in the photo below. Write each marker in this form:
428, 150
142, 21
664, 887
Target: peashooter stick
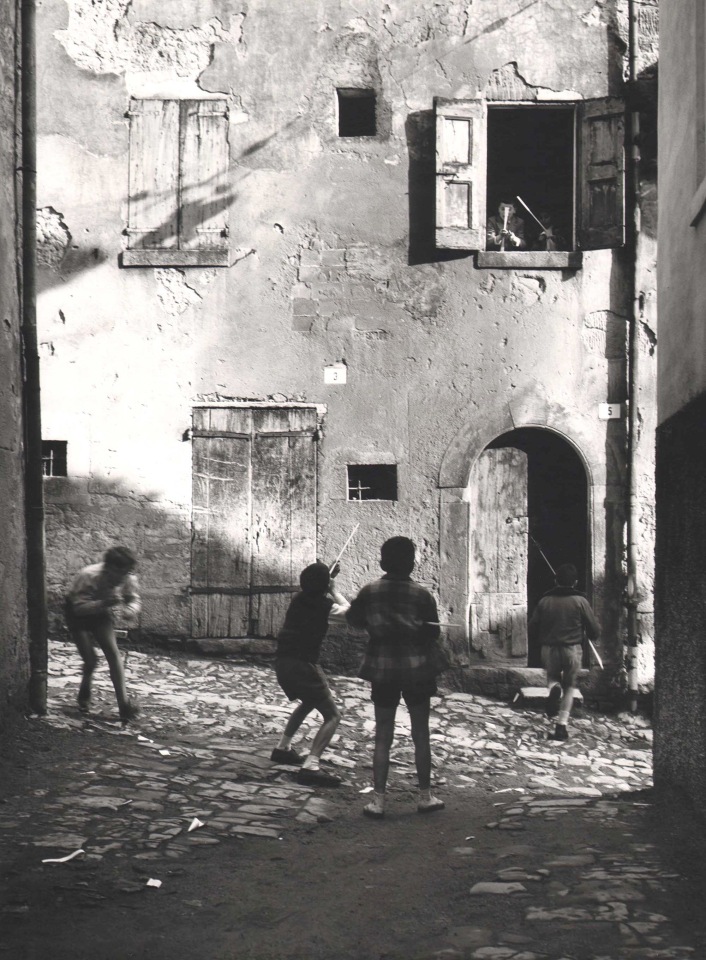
343, 548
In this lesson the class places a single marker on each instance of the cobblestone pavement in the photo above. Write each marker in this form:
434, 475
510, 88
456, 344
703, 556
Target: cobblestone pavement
195, 770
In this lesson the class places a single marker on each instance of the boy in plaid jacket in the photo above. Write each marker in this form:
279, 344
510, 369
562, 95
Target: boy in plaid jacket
402, 622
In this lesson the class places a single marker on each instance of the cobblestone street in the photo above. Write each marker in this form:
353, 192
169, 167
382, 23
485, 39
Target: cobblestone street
544, 847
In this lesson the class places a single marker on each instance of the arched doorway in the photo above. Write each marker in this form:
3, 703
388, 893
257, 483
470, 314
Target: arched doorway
528, 496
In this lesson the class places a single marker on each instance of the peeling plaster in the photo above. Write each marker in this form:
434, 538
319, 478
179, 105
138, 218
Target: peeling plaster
53, 237
507, 83
101, 39
176, 294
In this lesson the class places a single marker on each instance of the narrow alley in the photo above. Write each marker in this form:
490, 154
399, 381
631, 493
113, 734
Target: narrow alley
194, 844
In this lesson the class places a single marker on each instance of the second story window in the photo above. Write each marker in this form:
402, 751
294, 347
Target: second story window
179, 193
530, 179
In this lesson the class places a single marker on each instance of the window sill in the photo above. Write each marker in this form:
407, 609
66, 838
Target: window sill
175, 258
530, 259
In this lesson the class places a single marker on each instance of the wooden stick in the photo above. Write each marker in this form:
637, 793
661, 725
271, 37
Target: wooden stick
596, 654
531, 214
343, 548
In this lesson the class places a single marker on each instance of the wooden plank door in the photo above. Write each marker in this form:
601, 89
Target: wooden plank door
498, 556
253, 516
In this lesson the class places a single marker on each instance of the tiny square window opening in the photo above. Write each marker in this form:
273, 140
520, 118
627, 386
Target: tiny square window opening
356, 112
54, 458
372, 481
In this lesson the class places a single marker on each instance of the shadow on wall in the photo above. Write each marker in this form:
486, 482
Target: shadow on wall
84, 517
194, 213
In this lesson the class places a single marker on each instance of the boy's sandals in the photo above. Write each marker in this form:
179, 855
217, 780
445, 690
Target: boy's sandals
129, 712
289, 757
84, 707
430, 805
317, 778
373, 811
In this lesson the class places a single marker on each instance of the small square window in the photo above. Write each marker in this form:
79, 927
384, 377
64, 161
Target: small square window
372, 481
356, 112
54, 458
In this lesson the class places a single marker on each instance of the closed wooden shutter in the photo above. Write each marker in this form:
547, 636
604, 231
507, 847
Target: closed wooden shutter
153, 197
221, 520
253, 516
203, 187
498, 556
460, 174
284, 511
602, 173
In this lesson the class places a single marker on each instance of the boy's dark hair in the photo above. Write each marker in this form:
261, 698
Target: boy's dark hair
397, 556
567, 575
315, 578
121, 558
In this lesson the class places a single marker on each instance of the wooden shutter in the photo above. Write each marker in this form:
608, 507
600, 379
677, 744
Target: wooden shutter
221, 519
498, 552
154, 174
602, 173
284, 511
460, 174
204, 193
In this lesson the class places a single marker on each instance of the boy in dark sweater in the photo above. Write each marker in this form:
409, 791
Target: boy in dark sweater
299, 674
559, 621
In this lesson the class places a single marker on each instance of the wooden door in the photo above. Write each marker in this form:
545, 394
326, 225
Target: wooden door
498, 556
253, 516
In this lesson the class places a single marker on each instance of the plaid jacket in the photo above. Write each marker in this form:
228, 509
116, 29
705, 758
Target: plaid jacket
401, 619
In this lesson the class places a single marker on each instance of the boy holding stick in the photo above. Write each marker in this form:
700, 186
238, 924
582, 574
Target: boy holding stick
299, 674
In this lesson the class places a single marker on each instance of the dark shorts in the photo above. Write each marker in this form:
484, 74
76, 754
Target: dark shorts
303, 681
388, 694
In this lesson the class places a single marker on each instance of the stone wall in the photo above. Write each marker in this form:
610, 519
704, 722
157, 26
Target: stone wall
680, 691
14, 668
332, 260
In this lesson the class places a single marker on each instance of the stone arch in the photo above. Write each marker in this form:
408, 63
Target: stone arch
531, 409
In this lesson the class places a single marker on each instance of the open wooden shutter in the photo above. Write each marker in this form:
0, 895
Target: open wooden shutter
204, 183
153, 204
602, 173
460, 174
498, 535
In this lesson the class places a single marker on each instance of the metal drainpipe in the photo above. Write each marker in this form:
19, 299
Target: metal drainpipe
633, 226
34, 489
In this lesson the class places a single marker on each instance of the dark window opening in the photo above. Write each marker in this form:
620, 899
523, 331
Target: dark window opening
356, 112
531, 155
54, 458
372, 482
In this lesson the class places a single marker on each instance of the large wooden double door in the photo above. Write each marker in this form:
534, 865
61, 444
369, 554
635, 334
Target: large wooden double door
253, 515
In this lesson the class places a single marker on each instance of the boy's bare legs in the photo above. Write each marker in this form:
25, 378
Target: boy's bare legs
419, 717
331, 717
84, 644
384, 735
105, 638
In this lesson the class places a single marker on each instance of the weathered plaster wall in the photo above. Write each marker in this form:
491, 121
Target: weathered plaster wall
14, 668
333, 259
680, 691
